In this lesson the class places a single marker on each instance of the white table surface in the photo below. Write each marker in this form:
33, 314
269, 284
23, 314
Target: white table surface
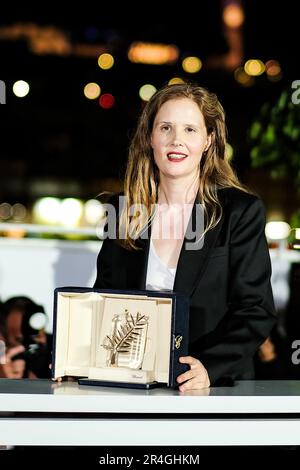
40, 412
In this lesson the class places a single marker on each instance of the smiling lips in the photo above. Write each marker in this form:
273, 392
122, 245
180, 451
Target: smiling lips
176, 156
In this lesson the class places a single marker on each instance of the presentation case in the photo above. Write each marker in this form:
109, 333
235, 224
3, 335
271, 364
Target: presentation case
119, 338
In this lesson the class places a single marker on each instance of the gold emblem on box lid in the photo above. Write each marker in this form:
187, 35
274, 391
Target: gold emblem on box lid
178, 340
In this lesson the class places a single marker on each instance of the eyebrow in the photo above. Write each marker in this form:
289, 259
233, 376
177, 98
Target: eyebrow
185, 124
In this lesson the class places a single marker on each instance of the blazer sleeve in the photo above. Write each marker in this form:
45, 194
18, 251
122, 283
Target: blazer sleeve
250, 316
104, 266
106, 259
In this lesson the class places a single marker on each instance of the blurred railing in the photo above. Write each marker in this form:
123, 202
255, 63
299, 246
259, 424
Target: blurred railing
36, 228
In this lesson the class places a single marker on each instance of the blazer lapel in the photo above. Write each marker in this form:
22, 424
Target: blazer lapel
145, 247
136, 265
192, 262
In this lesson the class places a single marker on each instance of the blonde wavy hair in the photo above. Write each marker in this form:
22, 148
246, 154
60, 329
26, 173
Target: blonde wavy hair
142, 175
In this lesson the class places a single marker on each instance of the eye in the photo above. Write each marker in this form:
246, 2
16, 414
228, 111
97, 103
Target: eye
190, 129
165, 128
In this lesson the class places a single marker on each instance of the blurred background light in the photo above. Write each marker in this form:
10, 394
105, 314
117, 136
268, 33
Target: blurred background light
92, 91
21, 88
46, 210
277, 230
5, 211
191, 64
146, 92
106, 61
254, 67
93, 211
233, 15
106, 101
71, 211
152, 53
273, 70
228, 151
175, 81
243, 78
19, 212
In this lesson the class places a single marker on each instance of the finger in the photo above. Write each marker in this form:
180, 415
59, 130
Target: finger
190, 374
196, 370
194, 384
189, 360
14, 351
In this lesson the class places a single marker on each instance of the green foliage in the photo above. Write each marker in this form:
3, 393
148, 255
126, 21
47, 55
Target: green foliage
295, 220
275, 139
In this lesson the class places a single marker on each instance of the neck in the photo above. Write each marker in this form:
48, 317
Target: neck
178, 191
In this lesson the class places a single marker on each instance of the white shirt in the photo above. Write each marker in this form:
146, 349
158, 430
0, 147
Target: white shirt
159, 276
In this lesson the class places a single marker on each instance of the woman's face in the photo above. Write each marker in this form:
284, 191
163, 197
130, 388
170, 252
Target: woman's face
179, 138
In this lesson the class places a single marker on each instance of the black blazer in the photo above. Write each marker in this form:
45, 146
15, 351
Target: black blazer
228, 282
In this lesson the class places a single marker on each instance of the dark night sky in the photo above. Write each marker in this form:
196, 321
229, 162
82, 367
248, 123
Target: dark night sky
56, 133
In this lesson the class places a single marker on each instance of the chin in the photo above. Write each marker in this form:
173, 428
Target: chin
175, 175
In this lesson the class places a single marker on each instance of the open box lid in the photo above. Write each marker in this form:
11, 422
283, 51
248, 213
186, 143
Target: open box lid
77, 312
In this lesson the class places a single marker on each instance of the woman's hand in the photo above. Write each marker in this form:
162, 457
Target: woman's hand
196, 378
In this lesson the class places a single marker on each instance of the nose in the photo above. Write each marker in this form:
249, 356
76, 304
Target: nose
176, 138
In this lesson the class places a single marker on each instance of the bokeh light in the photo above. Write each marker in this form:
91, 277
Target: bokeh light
92, 91
71, 211
21, 88
106, 61
147, 91
273, 70
277, 230
46, 210
191, 64
243, 78
106, 101
233, 15
254, 67
93, 211
175, 81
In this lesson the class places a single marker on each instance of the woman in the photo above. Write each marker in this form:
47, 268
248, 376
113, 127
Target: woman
177, 162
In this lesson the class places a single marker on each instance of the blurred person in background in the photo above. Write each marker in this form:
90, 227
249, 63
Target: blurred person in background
26, 347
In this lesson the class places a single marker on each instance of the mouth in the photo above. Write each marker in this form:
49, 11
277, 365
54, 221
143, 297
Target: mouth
176, 156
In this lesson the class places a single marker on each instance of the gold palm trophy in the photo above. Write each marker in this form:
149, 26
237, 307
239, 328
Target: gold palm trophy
126, 344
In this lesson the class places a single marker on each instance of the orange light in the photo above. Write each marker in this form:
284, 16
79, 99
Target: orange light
149, 53
243, 78
254, 67
175, 81
106, 61
191, 64
233, 16
273, 70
